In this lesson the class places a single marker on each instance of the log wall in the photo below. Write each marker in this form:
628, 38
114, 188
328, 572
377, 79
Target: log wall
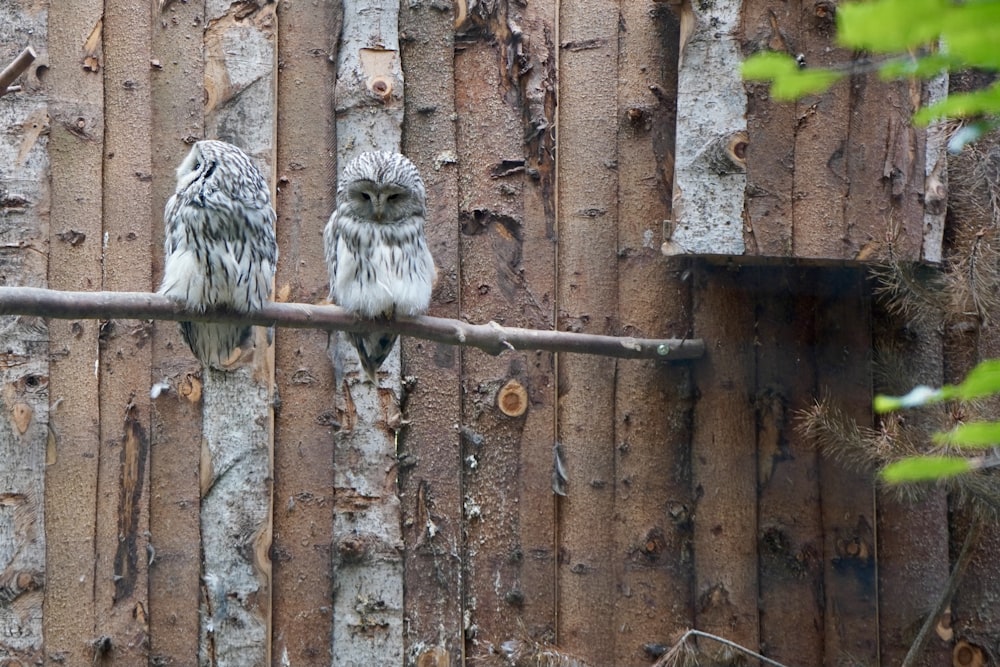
289, 514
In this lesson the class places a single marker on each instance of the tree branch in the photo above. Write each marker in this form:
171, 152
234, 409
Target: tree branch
490, 337
15, 69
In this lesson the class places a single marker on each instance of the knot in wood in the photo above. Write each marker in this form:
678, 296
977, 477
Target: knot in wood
967, 655
513, 399
380, 87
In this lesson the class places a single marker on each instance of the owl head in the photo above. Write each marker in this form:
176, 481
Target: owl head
382, 187
217, 167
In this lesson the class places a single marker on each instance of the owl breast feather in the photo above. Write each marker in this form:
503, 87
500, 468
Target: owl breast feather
383, 276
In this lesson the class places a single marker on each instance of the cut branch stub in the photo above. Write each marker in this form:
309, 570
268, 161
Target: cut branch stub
512, 399
726, 154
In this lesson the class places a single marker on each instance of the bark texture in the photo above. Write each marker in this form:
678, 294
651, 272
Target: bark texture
24, 374
236, 469
367, 534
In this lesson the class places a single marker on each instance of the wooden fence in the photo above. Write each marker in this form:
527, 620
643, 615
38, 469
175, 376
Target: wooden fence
287, 515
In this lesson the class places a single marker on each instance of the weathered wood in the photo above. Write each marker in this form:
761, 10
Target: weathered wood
501, 256
936, 174
535, 80
724, 459
431, 451
821, 133
654, 586
236, 469
843, 369
76, 143
884, 157
24, 374
176, 433
587, 294
790, 532
303, 459
121, 570
912, 548
711, 108
771, 133
367, 559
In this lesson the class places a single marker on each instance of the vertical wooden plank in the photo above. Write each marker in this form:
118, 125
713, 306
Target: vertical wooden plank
76, 142
587, 295
368, 565
24, 373
843, 341
821, 131
884, 156
238, 419
431, 456
652, 403
912, 549
790, 531
506, 276
770, 153
724, 458
974, 610
121, 580
303, 461
491, 246
176, 436
537, 527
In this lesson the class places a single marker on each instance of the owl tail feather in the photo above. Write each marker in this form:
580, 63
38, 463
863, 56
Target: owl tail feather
214, 343
373, 348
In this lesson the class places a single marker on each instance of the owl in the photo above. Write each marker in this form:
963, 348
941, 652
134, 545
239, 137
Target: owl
376, 251
220, 248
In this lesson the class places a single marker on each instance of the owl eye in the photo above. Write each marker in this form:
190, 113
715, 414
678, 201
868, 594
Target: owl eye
394, 197
197, 165
366, 196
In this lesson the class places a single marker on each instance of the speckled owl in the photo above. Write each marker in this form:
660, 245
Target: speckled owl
220, 248
376, 251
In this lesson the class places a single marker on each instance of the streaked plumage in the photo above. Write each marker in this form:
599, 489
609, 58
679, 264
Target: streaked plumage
376, 251
220, 248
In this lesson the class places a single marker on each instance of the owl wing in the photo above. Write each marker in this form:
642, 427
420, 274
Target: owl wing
331, 235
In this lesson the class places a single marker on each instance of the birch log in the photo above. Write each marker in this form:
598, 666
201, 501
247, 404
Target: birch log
711, 124
24, 400
238, 420
367, 550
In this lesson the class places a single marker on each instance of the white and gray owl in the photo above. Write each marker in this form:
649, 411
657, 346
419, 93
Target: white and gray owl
220, 248
376, 251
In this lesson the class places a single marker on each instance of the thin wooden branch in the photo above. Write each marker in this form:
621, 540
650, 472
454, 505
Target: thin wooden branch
15, 69
490, 337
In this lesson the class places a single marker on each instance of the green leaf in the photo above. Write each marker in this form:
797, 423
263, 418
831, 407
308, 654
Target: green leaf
971, 31
983, 380
973, 434
803, 82
923, 67
890, 25
920, 395
962, 105
789, 82
768, 65
924, 468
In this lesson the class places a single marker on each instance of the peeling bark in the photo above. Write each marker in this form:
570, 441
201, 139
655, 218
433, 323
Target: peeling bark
24, 381
368, 594
238, 420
